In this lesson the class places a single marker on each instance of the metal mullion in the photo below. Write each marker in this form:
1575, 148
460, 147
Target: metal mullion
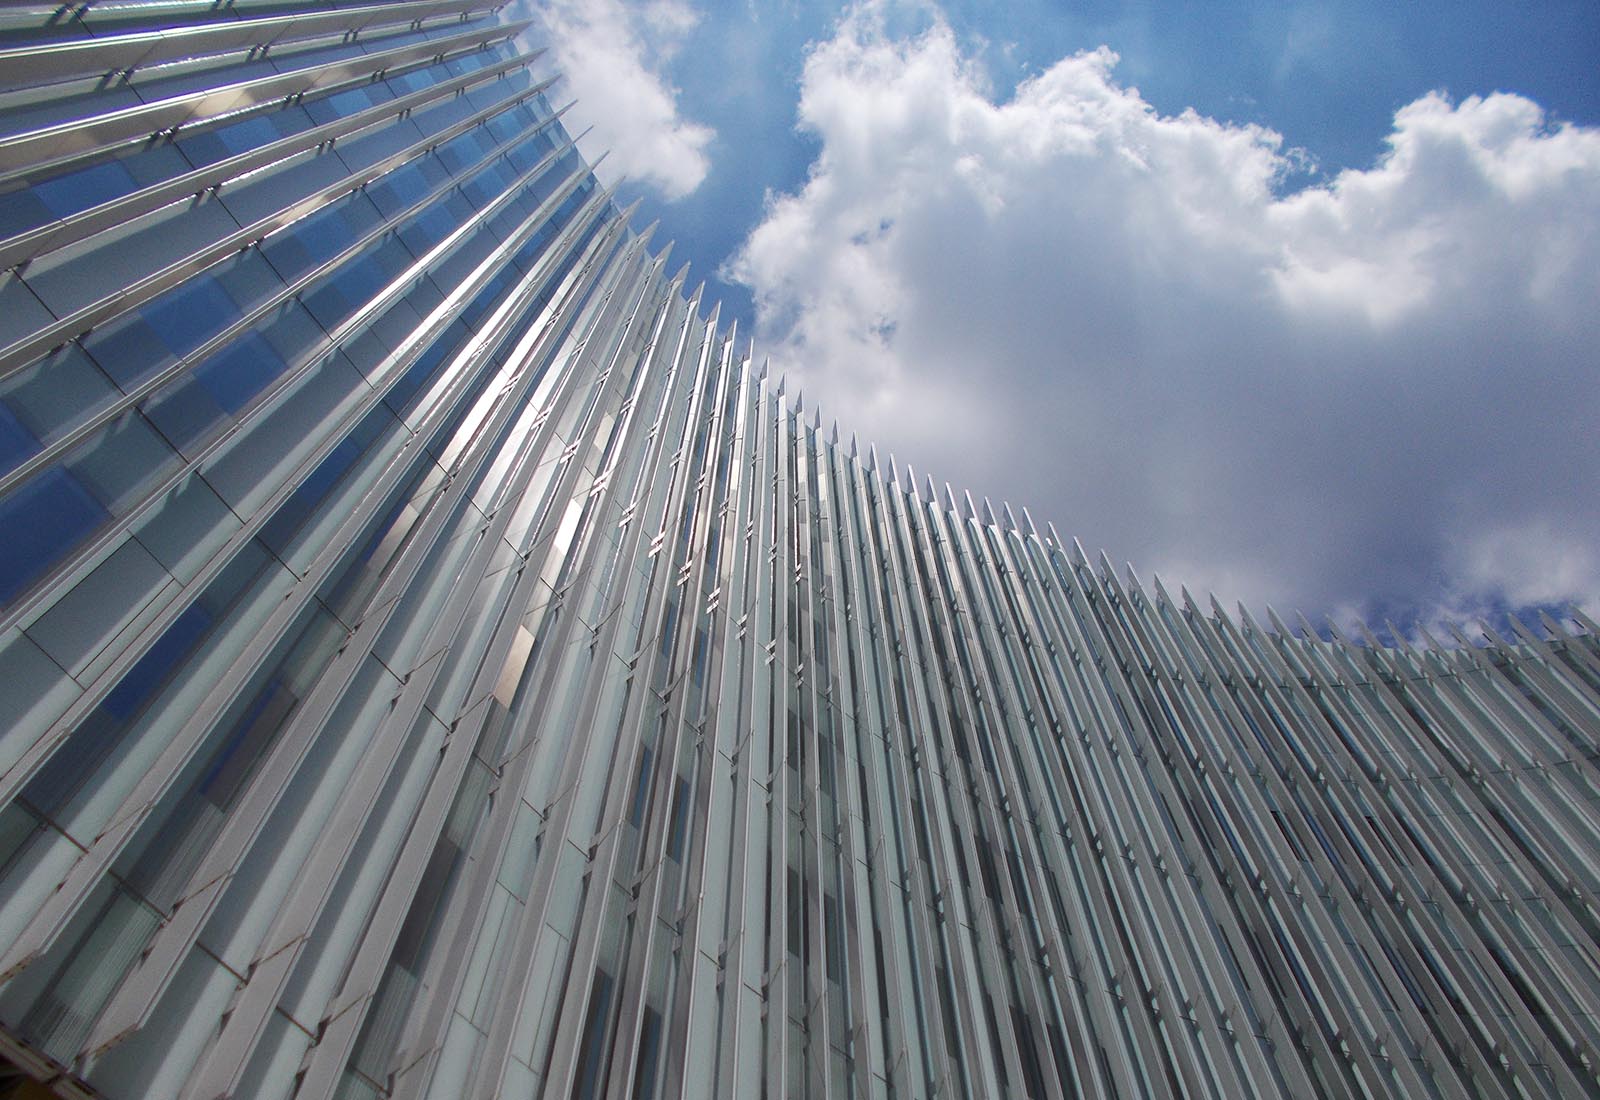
24, 352
387, 375
50, 62
779, 972
1087, 696
984, 925
531, 930
1529, 1030
1285, 793
246, 323
864, 745
971, 566
966, 964
1229, 805
732, 379
327, 1061
471, 731
1051, 768
91, 696
649, 886
1555, 673
18, 250
622, 1080
902, 1067
605, 855
750, 762
1248, 799
1484, 784
445, 973
1338, 883
848, 798
38, 153
815, 1010
915, 904
1555, 745
919, 892
679, 1040
1224, 705
1118, 805
1560, 914
1491, 970
86, 872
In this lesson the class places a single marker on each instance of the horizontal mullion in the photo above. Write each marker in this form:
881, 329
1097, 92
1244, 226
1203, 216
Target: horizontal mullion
54, 61
36, 152
247, 322
28, 608
33, 243
23, 352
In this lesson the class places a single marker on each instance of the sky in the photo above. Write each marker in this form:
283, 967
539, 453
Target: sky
1293, 303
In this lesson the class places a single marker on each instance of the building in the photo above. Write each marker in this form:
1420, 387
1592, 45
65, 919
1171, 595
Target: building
436, 661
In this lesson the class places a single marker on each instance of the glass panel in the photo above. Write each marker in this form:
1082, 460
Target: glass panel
43, 519
54, 394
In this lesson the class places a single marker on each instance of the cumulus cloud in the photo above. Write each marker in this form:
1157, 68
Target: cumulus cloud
614, 55
1375, 391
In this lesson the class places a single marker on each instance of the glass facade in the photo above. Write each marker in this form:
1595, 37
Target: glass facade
437, 661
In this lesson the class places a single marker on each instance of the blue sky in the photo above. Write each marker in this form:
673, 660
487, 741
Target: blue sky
1052, 253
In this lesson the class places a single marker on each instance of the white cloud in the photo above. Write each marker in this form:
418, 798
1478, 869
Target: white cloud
1378, 390
613, 55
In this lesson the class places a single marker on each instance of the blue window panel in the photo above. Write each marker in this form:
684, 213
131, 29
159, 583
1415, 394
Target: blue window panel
16, 442
240, 371
406, 185
264, 194
290, 121
151, 672
21, 311
57, 393
129, 350
78, 191
158, 83
155, 163
460, 152
122, 462
435, 224
488, 297
21, 211
406, 389
363, 280
286, 251
487, 95
43, 519
529, 153
189, 315
248, 280
187, 414
368, 148
223, 142
506, 125
247, 134
306, 244
289, 518
309, 242
413, 81
328, 304
458, 267
483, 188
293, 335
347, 103
437, 117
